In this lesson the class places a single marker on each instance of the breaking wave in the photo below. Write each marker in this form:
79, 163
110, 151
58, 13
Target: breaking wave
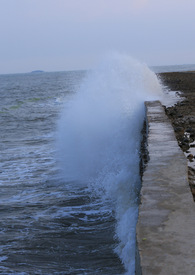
99, 135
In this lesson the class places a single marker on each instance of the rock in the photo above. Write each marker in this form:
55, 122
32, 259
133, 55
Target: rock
193, 191
192, 119
190, 157
186, 140
178, 129
189, 130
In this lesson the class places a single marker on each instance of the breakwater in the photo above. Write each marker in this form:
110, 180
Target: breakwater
165, 227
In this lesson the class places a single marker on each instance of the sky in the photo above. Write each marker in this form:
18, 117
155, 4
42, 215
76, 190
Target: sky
59, 35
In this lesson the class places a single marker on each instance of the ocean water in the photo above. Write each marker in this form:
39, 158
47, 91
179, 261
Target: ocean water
69, 168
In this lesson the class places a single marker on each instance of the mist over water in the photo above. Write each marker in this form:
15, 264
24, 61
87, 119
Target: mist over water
98, 140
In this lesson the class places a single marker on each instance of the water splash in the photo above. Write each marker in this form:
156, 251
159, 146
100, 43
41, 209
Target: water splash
99, 139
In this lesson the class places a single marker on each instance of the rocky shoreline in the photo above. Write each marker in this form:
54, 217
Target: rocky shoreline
182, 115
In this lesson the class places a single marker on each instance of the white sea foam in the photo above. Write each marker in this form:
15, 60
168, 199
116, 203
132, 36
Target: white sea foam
99, 139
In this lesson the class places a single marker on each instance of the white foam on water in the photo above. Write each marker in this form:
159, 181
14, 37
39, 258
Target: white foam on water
99, 135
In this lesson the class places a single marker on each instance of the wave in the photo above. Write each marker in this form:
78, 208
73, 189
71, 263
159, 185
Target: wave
99, 135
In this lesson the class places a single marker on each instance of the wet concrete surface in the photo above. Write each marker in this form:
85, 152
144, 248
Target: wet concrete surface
166, 223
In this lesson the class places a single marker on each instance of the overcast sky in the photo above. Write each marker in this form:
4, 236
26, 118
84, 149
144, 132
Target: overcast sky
74, 34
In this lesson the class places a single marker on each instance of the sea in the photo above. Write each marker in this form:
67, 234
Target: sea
70, 167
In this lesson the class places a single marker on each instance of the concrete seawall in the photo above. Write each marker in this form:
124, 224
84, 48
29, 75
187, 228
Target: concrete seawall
166, 223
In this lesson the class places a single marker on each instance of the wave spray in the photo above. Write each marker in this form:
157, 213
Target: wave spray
99, 139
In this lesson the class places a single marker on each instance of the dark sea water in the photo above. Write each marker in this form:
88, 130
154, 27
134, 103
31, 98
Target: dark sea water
47, 225
52, 224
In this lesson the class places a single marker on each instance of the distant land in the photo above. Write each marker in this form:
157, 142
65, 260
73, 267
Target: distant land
37, 71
